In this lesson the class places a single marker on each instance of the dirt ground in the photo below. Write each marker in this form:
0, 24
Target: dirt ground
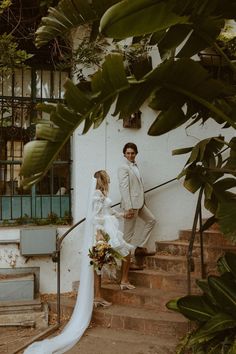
96, 340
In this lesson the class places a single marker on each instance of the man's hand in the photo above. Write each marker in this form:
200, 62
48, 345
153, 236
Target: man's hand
129, 214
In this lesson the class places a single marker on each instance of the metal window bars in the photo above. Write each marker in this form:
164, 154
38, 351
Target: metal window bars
20, 91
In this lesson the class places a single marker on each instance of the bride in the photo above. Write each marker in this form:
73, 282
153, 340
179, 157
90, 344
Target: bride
100, 218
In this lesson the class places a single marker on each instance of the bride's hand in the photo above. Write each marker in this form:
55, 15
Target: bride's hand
99, 236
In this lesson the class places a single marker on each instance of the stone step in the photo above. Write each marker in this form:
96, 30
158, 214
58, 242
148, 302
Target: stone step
180, 248
145, 321
20, 306
108, 340
155, 279
138, 318
15, 287
211, 237
159, 279
177, 264
24, 316
145, 297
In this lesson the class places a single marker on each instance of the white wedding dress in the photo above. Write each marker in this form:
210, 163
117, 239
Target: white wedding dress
100, 216
106, 219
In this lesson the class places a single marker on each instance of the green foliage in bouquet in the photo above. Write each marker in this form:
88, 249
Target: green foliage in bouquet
103, 254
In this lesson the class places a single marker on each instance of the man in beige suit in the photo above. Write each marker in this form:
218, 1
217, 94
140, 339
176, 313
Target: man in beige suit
133, 203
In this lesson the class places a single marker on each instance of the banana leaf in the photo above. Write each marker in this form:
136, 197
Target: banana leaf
203, 285
230, 261
226, 214
196, 307
218, 323
69, 14
173, 305
222, 265
223, 289
131, 18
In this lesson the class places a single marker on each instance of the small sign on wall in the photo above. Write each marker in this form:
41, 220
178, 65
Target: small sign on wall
133, 121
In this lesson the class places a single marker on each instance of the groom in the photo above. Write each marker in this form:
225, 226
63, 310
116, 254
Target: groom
133, 203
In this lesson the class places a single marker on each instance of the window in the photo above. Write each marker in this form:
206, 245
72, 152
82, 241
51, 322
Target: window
20, 91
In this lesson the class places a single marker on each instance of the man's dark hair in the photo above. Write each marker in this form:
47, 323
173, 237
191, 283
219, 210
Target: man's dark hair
130, 146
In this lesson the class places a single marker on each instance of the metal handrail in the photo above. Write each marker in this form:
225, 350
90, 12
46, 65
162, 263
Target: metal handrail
57, 254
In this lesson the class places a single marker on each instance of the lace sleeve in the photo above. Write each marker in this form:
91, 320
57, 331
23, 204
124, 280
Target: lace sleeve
98, 204
117, 214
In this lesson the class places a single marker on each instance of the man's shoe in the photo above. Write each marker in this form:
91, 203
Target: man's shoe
143, 252
134, 266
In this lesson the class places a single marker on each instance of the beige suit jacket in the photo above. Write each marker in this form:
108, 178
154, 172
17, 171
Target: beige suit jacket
131, 187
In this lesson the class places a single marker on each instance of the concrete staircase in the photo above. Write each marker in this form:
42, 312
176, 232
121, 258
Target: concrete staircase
142, 312
20, 304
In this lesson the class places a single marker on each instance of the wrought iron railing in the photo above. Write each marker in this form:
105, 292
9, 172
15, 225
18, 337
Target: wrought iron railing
190, 261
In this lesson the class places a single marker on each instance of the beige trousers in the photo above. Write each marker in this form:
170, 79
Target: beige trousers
129, 226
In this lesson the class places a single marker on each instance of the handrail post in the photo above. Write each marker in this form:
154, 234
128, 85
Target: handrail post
57, 258
201, 244
59, 287
190, 263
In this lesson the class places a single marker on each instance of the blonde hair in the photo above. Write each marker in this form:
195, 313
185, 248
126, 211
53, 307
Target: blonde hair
102, 181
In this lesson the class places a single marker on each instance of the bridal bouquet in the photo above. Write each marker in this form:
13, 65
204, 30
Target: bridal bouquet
102, 254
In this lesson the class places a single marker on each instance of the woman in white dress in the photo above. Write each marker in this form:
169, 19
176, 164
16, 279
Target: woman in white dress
105, 220
100, 218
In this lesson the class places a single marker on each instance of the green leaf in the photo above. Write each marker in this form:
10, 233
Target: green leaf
224, 292
193, 178
130, 100
218, 323
173, 305
173, 38
69, 14
226, 214
166, 121
209, 222
203, 285
205, 31
230, 260
225, 184
137, 17
196, 308
222, 265
182, 151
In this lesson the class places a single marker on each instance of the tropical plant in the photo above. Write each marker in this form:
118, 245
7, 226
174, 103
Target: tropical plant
10, 55
214, 312
180, 89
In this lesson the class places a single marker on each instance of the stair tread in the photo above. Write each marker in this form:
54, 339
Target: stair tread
129, 336
20, 303
140, 312
143, 290
138, 291
170, 257
185, 243
162, 272
209, 231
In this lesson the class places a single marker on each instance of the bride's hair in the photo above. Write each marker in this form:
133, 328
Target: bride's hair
102, 181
